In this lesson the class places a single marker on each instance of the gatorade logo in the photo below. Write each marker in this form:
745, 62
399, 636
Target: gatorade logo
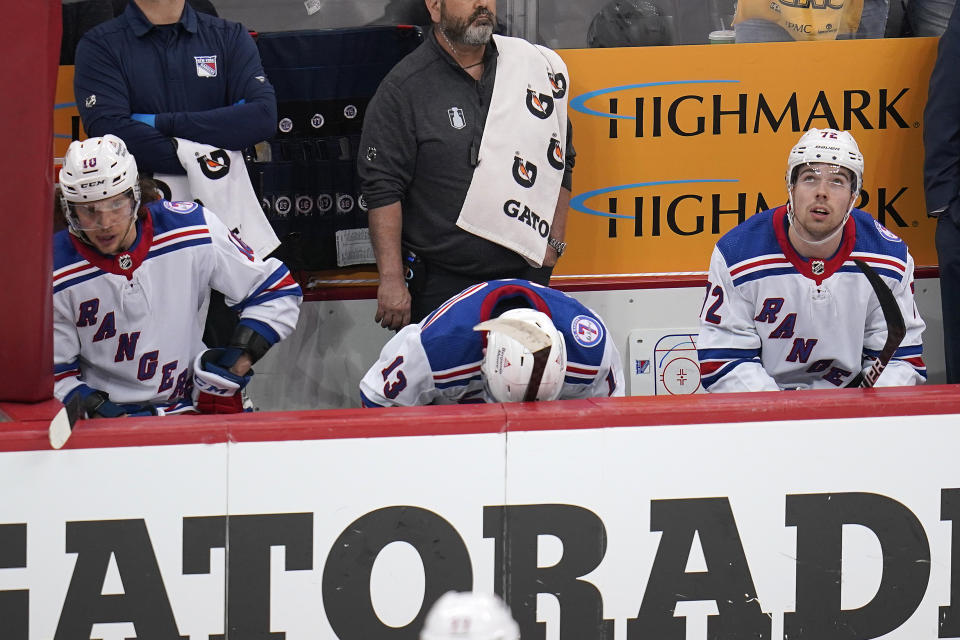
215, 164
539, 104
559, 84
525, 173
555, 154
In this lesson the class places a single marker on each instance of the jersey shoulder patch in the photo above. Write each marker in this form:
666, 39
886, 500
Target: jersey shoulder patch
169, 216
873, 237
180, 206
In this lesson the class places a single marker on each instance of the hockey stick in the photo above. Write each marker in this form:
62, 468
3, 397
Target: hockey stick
62, 424
896, 328
61, 427
532, 338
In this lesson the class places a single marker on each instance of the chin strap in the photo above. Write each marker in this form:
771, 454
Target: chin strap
803, 234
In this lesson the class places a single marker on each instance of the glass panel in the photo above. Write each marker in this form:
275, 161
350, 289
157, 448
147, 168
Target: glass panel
293, 15
605, 23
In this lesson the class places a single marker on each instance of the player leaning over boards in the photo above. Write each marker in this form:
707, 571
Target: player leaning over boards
481, 346
786, 305
128, 282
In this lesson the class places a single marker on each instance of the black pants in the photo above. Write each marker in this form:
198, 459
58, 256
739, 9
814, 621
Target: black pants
948, 255
434, 285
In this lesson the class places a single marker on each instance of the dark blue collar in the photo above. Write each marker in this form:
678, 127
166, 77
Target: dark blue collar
141, 26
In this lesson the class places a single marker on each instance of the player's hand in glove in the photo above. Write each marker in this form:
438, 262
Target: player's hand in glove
96, 404
215, 386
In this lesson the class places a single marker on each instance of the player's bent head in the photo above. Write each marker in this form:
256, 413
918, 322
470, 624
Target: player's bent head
469, 616
99, 178
826, 147
508, 362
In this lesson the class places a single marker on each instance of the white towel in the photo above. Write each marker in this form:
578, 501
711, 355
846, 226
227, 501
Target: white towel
515, 186
218, 179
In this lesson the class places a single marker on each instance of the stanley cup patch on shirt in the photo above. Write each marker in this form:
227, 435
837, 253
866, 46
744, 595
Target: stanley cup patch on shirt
206, 66
514, 190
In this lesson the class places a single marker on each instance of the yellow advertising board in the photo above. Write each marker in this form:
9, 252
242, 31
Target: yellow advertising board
66, 118
676, 145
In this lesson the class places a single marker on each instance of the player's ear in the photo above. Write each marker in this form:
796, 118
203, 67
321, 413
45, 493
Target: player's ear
433, 6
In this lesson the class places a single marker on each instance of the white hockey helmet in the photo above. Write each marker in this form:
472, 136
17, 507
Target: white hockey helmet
508, 362
469, 616
828, 146
95, 169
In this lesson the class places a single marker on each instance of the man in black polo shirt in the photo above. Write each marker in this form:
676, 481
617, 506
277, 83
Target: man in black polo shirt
425, 146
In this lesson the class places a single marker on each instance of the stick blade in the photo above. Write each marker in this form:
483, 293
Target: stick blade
60, 429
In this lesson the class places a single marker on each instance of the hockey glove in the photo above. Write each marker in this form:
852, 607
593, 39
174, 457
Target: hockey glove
215, 387
97, 404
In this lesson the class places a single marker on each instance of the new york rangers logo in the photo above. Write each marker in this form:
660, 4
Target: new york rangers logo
586, 331
206, 66
214, 165
455, 115
180, 206
555, 154
525, 173
886, 233
539, 104
558, 85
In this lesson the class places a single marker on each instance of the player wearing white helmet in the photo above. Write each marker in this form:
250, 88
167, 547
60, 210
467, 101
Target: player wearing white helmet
100, 193
469, 616
497, 341
129, 282
512, 370
786, 305
826, 157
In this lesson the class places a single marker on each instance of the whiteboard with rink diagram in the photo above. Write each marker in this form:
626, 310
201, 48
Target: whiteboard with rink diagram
663, 362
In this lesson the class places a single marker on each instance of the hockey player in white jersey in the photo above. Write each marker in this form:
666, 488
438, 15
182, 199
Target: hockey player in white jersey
129, 280
786, 307
448, 359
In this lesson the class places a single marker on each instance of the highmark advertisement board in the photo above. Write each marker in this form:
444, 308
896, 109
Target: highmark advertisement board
676, 145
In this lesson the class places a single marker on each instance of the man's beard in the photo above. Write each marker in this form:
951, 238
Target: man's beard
465, 31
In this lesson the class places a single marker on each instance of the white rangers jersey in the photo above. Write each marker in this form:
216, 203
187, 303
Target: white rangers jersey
130, 325
773, 319
438, 361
